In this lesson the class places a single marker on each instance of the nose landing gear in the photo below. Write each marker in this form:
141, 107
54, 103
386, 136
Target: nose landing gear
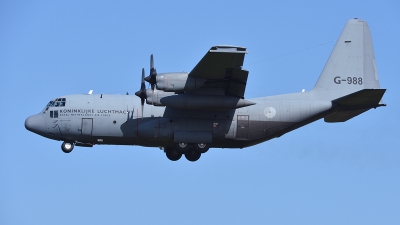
67, 146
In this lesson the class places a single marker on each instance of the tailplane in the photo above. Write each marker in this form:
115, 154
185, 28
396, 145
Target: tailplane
354, 104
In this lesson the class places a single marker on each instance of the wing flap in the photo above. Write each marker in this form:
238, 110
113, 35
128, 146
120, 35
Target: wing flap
237, 82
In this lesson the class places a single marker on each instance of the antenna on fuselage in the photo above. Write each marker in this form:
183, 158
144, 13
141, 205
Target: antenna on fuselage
90, 92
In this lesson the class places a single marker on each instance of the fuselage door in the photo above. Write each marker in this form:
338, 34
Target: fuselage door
87, 126
242, 127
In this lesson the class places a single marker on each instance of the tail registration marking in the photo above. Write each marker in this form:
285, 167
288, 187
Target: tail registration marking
350, 80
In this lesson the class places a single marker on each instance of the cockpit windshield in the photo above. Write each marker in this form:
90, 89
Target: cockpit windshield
59, 102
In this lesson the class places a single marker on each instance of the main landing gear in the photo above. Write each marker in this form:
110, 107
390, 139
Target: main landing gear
67, 146
172, 154
192, 152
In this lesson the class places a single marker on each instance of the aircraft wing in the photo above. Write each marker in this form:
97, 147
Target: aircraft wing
222, 69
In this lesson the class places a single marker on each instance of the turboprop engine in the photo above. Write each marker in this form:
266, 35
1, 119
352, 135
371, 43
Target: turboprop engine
176, 82
166, 90
172, 82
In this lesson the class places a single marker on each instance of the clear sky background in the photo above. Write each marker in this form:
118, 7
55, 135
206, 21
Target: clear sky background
343, 173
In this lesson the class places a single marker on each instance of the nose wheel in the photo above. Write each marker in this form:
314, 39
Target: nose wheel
67, 146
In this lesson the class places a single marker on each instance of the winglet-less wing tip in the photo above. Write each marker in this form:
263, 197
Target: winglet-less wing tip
228, 48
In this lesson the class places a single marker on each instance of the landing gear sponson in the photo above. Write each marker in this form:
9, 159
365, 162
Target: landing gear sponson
192, 152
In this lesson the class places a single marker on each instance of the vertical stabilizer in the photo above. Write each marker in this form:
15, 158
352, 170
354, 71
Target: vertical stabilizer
351, 66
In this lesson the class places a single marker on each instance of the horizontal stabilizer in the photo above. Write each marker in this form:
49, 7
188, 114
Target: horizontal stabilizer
343, 116
354, 104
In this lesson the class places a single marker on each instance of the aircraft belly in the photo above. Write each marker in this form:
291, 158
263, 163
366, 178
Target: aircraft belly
270, 119
262, 129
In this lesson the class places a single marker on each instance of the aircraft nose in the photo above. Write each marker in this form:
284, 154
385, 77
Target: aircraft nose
35, 123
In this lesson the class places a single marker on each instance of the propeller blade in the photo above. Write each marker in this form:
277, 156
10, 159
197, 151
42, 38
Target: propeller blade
153, 73
142, 92
142, 86
151, 62
142, 105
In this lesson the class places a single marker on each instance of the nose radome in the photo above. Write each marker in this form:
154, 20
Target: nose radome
35, 123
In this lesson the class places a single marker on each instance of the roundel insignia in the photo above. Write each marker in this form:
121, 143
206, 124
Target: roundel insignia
269, 112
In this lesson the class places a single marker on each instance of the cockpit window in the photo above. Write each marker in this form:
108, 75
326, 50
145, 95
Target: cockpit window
59, 102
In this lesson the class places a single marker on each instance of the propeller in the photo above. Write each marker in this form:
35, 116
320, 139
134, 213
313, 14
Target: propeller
142, 92
153, 74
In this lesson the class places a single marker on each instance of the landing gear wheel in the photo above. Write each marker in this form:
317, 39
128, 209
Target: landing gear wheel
182, 147
201, 147
67, 146
172, 154
193, 156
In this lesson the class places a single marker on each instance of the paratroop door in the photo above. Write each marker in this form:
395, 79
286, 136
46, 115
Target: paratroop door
242, 127
87, 126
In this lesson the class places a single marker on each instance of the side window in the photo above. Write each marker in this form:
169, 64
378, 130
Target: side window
54, 114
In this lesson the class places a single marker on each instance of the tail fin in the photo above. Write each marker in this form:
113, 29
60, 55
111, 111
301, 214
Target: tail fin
351, 66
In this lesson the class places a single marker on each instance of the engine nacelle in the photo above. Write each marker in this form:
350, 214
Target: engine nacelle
173, 82
212, 102
153, 97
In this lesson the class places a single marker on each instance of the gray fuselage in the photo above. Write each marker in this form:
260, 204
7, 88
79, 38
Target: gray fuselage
117, 119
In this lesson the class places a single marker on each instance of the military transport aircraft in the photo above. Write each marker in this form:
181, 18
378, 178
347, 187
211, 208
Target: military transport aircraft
189, 113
